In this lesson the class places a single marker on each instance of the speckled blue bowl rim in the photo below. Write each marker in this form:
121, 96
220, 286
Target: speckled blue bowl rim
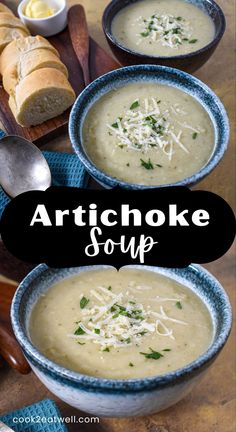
200, 4
162, 75
88, 383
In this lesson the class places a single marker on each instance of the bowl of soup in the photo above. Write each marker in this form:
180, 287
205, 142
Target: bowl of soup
120, 343
177, 33
148, 126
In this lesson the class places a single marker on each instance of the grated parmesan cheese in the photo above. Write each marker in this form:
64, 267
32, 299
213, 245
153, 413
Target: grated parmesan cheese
121, 322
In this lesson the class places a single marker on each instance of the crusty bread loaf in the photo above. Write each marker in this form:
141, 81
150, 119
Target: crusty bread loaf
5, 9
29, 62
11, 21
12, 53
42, 95
9, 34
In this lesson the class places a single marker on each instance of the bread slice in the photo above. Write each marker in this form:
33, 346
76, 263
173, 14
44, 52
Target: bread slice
42, 95
5, 9
9, 34
9, 21
12, 53
28, 63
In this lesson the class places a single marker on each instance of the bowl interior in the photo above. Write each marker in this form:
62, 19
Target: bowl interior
194, 277
159, 75
209, 7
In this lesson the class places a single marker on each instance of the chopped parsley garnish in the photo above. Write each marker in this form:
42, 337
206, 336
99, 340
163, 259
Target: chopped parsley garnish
192, 41
166, 349
179, 18
155, 355
148, 165
194, 135
178, 305
106, 349
134, 105
79, 331
158, 165
131, 364
97, 330
115, 125
127, 164
145, 34
83, 302
109, 288
142, 333
81, 343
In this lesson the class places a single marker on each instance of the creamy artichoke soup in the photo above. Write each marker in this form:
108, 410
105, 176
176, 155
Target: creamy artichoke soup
149, 134
163, 28
127, 324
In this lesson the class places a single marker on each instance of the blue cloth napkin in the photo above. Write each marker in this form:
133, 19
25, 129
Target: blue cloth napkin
66, 170
43, 416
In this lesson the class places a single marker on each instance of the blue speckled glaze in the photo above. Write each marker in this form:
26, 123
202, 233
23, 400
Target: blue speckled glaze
209, 7
155, 74
195, 277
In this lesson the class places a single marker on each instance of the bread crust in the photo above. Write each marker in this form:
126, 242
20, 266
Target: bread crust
29, 103
29, 62
7, 35
14, 50
11, 21
5, 9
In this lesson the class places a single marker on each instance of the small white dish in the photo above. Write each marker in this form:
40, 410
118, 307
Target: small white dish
46, 26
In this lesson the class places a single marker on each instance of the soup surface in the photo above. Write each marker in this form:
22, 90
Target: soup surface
127, 324
163, 28
149, 134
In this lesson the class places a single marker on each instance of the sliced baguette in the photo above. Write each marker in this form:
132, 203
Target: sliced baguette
9, 34
5, 9
10, 21
42, 95
12, 53
28, 63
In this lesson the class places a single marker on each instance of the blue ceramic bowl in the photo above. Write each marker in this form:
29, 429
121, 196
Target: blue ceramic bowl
187, 62
128, 397
155, 74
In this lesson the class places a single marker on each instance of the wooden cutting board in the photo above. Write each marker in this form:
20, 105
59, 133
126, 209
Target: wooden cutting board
100, 63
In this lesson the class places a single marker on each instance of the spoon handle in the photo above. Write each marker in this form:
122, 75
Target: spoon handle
10, 350
78, 30
5, 428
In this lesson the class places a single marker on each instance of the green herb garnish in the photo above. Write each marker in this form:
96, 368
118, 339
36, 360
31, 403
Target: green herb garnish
194, 135
155, 355
192, 41
145, 34
97, 330
166, 349
79, 331
81, 343
179, 18
109, 288
158, 165
115, 125
148, 165
106, 349
178, 305
131, 364
83, 302
134, 105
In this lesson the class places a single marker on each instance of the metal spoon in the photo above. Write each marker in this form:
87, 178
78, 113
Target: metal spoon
22, 166
5, 428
